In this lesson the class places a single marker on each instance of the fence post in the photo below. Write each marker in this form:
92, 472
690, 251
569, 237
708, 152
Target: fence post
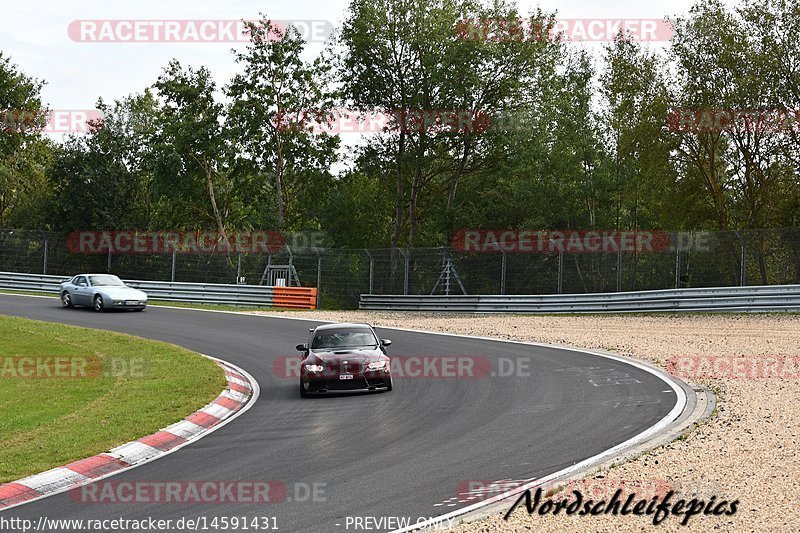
174, 259
319, 278
371, 271
678, 262
44, 266
743, 274
743, 271
447, 273
109, 260
405, 276
405, 271
560, 271
619, 269
239, 269
503, 275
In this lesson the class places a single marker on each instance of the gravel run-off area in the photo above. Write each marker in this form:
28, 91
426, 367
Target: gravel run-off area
747, 451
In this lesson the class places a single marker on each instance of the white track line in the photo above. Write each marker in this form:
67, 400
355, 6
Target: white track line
676, 411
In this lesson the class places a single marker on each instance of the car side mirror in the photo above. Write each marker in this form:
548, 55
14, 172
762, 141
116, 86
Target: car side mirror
301, 347
386, 342
81, 284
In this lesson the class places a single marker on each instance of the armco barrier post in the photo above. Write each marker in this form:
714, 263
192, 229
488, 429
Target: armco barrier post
503, 275
743, 271
371, 271
405, 271
560, 271
319, 278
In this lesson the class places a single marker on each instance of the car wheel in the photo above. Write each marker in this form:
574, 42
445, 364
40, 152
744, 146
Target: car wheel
303, 393
66, 300
98, 303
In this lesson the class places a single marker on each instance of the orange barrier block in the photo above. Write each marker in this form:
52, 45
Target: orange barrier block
294, 297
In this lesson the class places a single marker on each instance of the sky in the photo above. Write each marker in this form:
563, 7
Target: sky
36, 35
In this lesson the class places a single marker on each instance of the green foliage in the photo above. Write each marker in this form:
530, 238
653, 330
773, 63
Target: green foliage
573, 143
24, 155
274, 100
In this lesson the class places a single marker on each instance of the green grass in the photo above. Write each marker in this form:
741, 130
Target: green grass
128, 388
33, 293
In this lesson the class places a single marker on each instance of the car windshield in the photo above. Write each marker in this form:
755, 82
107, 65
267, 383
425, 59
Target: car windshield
353, 338
106, 281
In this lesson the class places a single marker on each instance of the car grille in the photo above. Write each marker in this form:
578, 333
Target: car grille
341, 368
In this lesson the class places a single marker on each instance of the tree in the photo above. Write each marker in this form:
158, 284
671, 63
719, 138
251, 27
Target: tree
24, 153
727, 62
277, 101
402, 57
190, 155
99, 179
636, 102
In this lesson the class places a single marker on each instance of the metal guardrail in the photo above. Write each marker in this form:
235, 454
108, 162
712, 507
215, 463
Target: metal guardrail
211, 293
769, 298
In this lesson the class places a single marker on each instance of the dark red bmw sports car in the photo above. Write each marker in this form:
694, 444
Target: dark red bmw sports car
344, 357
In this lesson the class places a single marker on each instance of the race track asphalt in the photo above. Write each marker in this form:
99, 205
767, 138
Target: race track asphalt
405, 453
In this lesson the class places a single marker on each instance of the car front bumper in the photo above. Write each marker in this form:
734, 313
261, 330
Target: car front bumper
125, 304
334, 382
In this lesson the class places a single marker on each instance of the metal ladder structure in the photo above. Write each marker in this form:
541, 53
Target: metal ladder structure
448, 271
285, 274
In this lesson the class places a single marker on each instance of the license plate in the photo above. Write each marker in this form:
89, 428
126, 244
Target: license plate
132, 302
346, 376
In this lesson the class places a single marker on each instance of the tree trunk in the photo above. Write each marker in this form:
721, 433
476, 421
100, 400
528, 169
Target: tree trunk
453, 187
416, 185
398, 209
279, 181
762, 259
217, 215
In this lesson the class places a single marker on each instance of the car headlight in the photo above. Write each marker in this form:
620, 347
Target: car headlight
377, 365
314, 368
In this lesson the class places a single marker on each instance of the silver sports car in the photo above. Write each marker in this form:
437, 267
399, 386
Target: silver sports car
101, 291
